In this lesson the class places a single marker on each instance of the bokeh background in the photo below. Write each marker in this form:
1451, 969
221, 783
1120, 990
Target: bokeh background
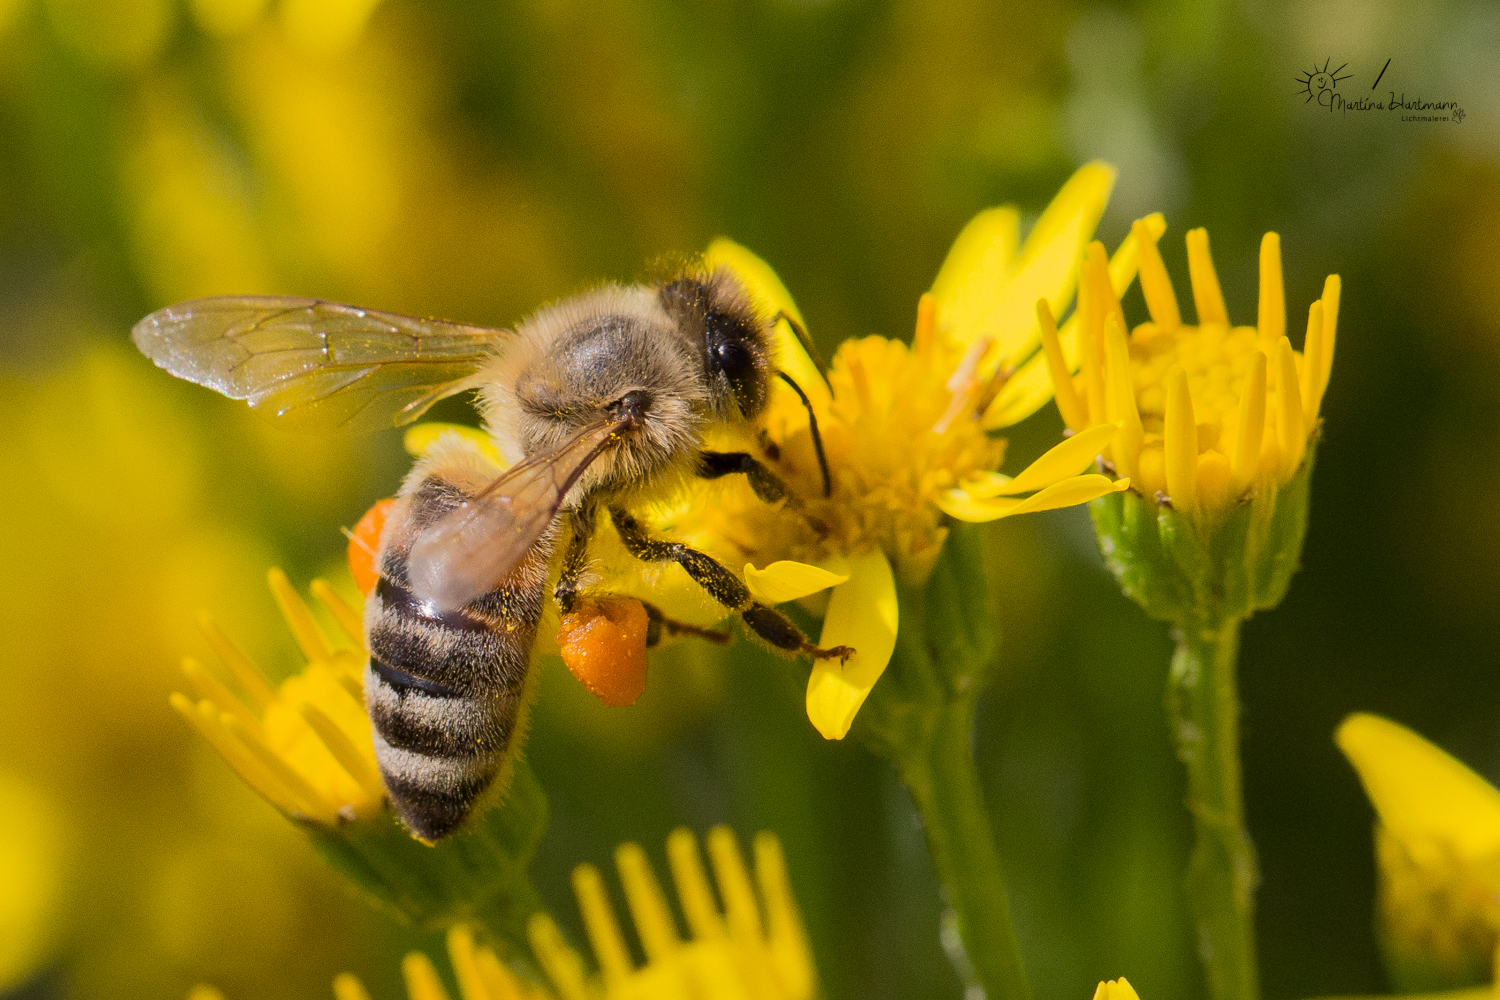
473, 159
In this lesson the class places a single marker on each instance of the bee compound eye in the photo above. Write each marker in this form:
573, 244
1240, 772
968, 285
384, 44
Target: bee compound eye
730, 358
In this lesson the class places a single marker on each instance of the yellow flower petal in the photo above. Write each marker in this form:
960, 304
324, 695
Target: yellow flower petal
981, 258
419, 439
1421, 793
1031, 386
862, 613
1116, 989
1068, 493
1023, 394
1069, 458
984, 293
787, 581
772, 296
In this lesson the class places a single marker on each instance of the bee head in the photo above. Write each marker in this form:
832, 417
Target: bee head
735, 341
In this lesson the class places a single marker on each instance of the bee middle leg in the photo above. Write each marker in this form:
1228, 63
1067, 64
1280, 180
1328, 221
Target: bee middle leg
575, 560
717, 464
723, 586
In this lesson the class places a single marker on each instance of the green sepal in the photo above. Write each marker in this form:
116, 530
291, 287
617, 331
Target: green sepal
479, 874
1198, 574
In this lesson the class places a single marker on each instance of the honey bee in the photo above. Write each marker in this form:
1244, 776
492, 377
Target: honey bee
605, 397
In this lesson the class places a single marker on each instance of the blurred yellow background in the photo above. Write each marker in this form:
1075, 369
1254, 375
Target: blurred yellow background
473, 160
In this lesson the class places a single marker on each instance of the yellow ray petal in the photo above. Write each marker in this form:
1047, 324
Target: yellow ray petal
1030, 387
1120, 397
208, 687
1312, 359
1156, 286
787, 581
462, 956
420, 438
347, 987
250, 679
862, 613
648, 905
1421, 792
980, 297
299, 617
790, 950
982, 256
422, 982
1290, 424
693, 890
563, 965
1067, 459
1116, 989
1181, 443
1324, 364
349, 619
1208, 298
1068, 493
768, 291
1068, 403
1251, 426
1270, 317
741, 911
610, 949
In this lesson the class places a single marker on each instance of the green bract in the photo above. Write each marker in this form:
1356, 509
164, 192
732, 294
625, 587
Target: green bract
1192, 574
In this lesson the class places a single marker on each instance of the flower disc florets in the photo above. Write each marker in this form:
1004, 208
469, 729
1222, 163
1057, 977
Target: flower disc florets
1208, 412
893, 446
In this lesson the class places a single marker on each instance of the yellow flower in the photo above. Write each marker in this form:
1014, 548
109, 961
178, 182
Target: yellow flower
305, 745
1116, 989
906, 433
904, 430
1438, 850
754, 949
1209, 414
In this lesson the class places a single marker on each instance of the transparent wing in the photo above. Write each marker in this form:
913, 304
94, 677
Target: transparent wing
471, 550
316, 365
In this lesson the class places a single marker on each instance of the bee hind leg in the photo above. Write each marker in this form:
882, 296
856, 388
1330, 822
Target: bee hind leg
771, 625
659, 624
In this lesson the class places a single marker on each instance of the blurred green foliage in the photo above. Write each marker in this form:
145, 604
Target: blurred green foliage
473, 160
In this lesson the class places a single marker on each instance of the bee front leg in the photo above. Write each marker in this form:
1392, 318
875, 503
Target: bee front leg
723, 586
717, 464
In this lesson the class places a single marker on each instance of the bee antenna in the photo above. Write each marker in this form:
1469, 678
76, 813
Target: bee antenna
807, 345
812, 425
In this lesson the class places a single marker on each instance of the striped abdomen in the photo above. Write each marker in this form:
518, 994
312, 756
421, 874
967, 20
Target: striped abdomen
445, 691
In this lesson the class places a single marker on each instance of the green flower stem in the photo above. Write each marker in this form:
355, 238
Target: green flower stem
1203, 705
944, 784
920, 717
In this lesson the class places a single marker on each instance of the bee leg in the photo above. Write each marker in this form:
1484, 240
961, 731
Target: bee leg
575, 559
723, 586
659, 623
717, 464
